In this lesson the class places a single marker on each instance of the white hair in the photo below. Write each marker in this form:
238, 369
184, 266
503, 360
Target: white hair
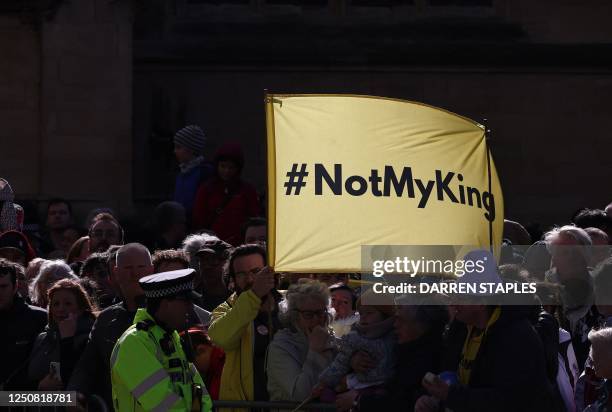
193, 243
603, 336
297, 294
576, 233
579, 235
49, 269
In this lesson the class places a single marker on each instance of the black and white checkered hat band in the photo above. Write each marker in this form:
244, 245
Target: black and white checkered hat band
169, 291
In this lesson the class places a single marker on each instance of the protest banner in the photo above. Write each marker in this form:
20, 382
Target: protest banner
346, 171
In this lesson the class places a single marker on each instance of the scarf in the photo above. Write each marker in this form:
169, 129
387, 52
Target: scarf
472, 346
192, 164
343, 326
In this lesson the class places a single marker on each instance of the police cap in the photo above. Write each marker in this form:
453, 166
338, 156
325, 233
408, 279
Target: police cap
168, 284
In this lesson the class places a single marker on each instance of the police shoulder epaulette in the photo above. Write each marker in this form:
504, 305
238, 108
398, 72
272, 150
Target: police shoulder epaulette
145, 324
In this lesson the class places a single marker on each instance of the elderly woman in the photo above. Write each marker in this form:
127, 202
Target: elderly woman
301, 351
343, 301
570, 249
601, 342
50, 272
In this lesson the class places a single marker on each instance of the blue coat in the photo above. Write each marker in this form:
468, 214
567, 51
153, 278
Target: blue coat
186, 185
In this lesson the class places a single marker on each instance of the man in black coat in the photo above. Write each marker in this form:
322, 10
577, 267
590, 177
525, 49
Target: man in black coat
20, 324
500, 362
92, 373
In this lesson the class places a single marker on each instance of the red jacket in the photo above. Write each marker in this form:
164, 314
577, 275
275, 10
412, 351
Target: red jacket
224, 208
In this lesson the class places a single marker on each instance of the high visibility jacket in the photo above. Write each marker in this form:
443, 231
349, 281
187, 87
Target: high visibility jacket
231, 328
150, 372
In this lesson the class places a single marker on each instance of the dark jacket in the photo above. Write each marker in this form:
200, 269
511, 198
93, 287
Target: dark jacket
20, 325
92, 373
49, 347
414, 360
509, 373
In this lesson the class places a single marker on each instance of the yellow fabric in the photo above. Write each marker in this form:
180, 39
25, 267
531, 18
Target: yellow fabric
142, 376
231, 328
325, 232
471, 348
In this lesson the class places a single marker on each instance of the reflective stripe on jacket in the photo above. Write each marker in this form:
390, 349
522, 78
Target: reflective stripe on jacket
147, 378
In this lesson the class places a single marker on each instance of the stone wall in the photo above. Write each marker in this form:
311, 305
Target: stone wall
550, 129
20, 128
69, 105
79, 119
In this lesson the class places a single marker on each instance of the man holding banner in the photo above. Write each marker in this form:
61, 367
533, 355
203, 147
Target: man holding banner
346, 172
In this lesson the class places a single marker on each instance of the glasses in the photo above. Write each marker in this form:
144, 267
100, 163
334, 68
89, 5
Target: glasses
245, 273
311, 314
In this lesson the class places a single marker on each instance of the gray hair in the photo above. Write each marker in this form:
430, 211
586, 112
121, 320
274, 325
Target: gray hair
576, 233
192, 244
33, 269
579, 235
50, 268
603, 336
297, 294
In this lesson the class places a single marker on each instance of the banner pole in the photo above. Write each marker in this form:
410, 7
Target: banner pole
270, 179
487, 136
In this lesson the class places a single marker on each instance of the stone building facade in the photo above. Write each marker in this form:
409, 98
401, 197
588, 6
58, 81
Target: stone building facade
92, 93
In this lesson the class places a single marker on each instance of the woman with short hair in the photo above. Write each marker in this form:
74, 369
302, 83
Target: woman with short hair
300, 352
50, 272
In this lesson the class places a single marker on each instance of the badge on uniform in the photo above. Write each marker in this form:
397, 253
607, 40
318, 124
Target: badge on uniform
262, 330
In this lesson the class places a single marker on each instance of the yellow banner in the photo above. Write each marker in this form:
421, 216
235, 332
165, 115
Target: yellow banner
346, 171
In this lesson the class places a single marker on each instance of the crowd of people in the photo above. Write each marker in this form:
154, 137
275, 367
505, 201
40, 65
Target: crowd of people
68, 296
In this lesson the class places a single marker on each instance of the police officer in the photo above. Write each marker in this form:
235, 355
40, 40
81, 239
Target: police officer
149, 369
